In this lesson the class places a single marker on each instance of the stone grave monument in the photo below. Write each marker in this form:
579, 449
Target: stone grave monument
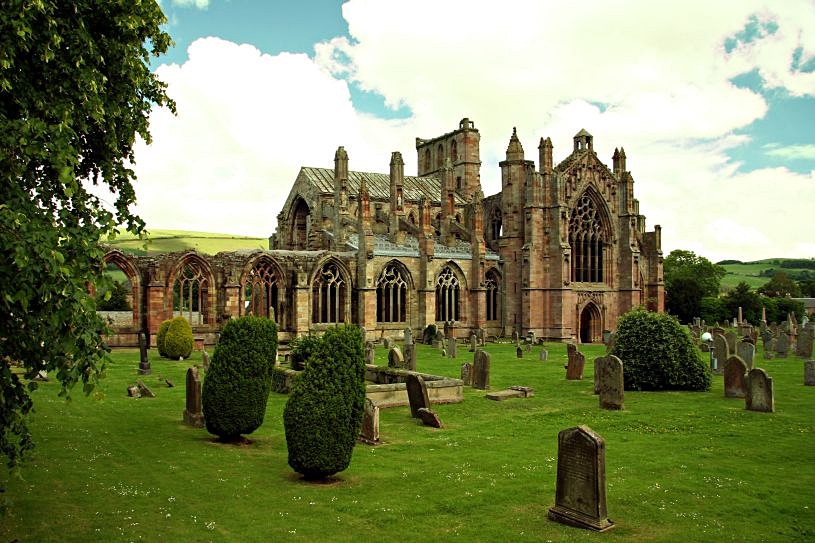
370, 423
611, 383
144, 362
481, 370
417, 394
735, 377
193, 414
809, 373
759, 395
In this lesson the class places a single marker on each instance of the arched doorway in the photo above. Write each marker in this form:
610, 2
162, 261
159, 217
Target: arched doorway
590, 324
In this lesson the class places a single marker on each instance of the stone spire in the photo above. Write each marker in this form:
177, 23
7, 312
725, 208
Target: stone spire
515, 150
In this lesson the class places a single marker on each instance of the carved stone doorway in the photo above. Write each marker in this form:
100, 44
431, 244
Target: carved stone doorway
591, 324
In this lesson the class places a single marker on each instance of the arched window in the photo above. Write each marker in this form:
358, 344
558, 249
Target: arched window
588, 242
495, 223
447, 296
440, 157
492, 283
437, 224
428, 163
191, 294
391, 295
329, 294
262, 291
453, 151
301, 223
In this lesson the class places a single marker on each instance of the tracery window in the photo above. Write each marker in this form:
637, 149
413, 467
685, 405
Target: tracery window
495, 223
329, 294
447, 296
588, 242
391, 295
262, 291
191, 294
440, 157
492, 282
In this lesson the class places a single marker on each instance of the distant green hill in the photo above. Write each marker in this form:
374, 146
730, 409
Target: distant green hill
165, 241
759, 272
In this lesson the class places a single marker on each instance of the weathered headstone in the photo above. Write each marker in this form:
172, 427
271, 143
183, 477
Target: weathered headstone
395, 357
731, 337
544, 355
735, 377
473, 343
482, 336
511, 392
809, 373
519, 352
417, 394
429, 418
747, 352
205, 361
144, 362
610, 382
574, 370
580, 498
467, 374
133, 391
769, 349
721, 351
408, 335
386, 343
370, 352
481, 370
803, 347
370, 423
193, 414
144, 390
782, 346
410, 356
516, 338
571, 349
760, 396
452, 348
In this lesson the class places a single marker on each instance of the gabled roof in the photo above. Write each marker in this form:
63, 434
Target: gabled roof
379, 185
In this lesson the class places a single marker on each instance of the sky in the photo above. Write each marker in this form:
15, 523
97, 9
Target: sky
714, 103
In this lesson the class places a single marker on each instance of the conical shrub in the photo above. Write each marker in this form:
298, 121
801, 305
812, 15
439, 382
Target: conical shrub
238, 382
178, 339
323, 416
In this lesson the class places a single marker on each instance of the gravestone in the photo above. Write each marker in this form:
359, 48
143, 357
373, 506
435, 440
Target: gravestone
747, 352
370, 353
447, 329
809, 373
370, 423
580, 497
721, 351
429, 418
611, 383
769, 349
612, 336
417, 394
133, 391
544, 355
482, 336
530, 337
731, 338
571, 349
735, 377
408, 335
395, 358
144, 363
511, 392
481, 370
759, 395
519, 352
516, 338
574, 370
782, 346
144, 390
467, 374
205, 361
452, 348
803, 347
386, 343
473, 343
193, 414
410, 356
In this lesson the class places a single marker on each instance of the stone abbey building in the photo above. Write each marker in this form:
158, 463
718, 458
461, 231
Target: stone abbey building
561, 251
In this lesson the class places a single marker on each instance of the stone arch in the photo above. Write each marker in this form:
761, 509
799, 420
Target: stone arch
440, 157
330, 292
412, 218
263, 290
590, 323
190, 290
590, 235
126, 263
394, 286
451, 287
492, 284
299, 224
453, 151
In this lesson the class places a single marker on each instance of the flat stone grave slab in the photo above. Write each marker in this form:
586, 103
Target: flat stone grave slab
511, 392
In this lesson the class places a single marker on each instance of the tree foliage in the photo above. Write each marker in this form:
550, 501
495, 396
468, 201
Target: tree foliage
178, 339
114, 299
75, 90
780, 286
239, 380
323, 415
688, 279
658, 353
301, 349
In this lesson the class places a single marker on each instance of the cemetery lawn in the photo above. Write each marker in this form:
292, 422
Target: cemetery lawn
679, 466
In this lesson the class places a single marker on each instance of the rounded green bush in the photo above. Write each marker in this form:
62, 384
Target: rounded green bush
178, 340
239, 379
160, 337
429, 334
658, 353
323, 415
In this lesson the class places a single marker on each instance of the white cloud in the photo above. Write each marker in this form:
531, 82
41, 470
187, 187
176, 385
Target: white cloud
652, 79
200, 4
791, 152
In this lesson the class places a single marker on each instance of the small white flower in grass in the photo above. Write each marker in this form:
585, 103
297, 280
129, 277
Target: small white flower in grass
171, 499
210, 525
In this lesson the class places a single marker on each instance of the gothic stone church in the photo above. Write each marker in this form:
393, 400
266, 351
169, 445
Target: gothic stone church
561, 251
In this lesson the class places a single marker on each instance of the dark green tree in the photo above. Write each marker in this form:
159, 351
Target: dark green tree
658, 353
301, 349
688, 279
323, 416
781, 286
116, 301
749, 301
75, 90
237, 385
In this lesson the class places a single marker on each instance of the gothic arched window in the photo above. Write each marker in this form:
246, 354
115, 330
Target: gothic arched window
262, 291
329, 294
453, 151
191, 293
391, 295
428, 163
492, 284
495, 223
447, 296
440, 157
588, 241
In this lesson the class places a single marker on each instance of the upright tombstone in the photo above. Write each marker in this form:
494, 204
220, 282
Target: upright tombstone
574, 370
731, 337
417, 394
408, 335
611, 383
205, 361
386, 343
410, 356
782, 345
473, 342
580, 498
395, 357
735, 377
452, 348
144, 362
370, 423
571, 349
809, 373
544, 355
370, 353
760, 396
519, 352
721, 351
467, 374
481, 370
803, 347
769, 349
193, 413
747, 352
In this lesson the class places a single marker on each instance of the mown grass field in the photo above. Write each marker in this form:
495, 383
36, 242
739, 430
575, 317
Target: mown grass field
750, 273
165, 241
679, 466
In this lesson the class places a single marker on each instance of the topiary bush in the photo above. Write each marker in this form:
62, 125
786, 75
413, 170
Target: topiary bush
239, 379
178, 339
429, 334
161, 335
301, 349
323, 415
658, 353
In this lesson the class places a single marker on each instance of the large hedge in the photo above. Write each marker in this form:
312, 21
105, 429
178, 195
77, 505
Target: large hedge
178, 339
323, 415
658, 353
239, 380
302, 348
161, 335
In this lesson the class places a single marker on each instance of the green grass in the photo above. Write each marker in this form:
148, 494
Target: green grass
749, 272
679, 466
165, 241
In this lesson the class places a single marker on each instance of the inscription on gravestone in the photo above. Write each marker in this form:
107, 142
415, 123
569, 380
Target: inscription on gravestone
747, 352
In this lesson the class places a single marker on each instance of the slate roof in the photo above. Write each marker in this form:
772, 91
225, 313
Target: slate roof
383, 247
379, 185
